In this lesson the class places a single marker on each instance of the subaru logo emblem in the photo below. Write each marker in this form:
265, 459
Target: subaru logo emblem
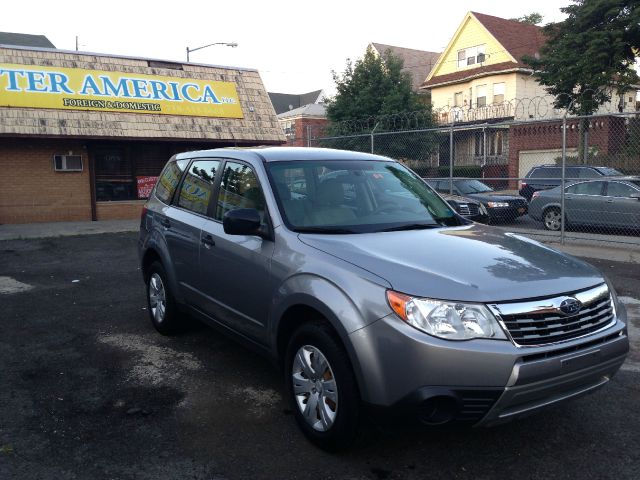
570, 306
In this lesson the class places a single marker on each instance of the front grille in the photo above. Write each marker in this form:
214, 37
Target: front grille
517, 203
542, 322
468, 209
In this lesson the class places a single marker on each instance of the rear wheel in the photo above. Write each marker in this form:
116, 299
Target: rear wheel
322, 388
552, 219
160, 301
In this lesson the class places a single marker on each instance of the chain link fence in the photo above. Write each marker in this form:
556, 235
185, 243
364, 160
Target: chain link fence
511, 173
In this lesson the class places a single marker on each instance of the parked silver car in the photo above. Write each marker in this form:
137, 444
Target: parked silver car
372, 298
612, 203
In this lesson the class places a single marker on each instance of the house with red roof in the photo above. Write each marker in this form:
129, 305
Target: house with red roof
480, 79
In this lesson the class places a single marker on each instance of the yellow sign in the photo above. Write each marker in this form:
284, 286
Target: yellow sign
79, 89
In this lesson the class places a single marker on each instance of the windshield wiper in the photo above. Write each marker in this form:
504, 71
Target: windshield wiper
324, 230
411, 226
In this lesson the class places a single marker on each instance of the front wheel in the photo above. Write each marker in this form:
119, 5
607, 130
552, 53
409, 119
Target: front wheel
552, 219
322, 388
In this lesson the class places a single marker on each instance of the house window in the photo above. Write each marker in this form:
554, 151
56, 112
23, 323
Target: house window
289, 128
496, 143
498, 93
457, 99
479, 144
481, 95
471, 56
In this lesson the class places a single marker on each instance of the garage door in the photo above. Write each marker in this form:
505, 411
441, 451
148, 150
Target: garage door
532, 158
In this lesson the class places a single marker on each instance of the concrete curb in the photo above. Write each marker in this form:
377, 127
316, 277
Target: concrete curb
66, 229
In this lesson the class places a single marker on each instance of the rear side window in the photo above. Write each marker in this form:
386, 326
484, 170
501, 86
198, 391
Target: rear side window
586, 188
588, 173
545, 173
197, 187
571, 172
609, 172
617, 189
169, 179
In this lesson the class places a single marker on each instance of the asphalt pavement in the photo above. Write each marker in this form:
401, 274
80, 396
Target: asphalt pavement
89, 390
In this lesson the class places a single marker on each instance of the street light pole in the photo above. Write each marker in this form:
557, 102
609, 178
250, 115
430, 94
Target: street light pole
228, 44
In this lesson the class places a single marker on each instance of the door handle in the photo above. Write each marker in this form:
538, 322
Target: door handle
165, 223
208, 241
609, 201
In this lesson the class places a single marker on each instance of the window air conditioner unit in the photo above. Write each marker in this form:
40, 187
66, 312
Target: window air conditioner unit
67, 163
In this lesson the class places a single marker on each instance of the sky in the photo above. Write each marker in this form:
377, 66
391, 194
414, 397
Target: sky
294, 45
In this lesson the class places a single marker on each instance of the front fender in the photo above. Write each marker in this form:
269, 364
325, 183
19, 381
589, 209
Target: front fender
334, 304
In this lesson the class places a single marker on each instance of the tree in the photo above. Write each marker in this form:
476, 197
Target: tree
533, 18
370, 94
590, 54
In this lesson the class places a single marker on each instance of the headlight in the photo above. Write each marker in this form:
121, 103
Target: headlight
497, 204
448, 320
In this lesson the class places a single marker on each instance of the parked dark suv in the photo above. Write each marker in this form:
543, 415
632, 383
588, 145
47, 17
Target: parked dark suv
500, 206
544, 177
369, 292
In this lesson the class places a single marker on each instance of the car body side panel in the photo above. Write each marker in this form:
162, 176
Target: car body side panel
233, 268
622, 212
154, 240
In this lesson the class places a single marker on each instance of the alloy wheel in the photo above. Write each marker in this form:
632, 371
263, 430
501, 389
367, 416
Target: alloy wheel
157, 298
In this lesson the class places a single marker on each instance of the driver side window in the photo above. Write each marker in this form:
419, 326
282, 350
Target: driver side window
239, 188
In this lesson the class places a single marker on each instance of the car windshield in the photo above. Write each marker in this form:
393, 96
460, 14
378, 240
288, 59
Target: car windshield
350, 196
472, 186
609, 172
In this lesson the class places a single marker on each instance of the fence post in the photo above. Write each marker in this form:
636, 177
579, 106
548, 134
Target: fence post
372, 135
484, 150
564, 163
484, 146
451, 160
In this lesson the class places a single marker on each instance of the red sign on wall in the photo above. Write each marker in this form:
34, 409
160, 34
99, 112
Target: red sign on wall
145, 185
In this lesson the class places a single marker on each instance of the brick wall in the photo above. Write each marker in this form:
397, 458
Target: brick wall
606, 134
304, 126
119, 210
33, 192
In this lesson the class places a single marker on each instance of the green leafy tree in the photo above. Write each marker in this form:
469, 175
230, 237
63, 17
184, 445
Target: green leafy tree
533, 18
590, 54
374, 94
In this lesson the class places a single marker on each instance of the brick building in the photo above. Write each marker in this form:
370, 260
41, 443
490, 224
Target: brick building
302, 124
539, 143
83, 135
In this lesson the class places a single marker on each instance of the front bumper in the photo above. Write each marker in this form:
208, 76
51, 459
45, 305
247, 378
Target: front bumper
412, 376
507, 213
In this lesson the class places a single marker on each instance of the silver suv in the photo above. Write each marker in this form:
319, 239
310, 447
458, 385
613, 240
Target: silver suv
370, 292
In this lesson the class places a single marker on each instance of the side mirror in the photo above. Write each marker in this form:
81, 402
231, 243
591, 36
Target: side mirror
242, 221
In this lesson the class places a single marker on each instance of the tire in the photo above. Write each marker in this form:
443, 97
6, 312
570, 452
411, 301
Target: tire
321, 387
161, 303
552, 219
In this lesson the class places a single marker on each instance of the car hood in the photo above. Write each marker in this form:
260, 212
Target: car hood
457, 198
468, 263
494, 197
